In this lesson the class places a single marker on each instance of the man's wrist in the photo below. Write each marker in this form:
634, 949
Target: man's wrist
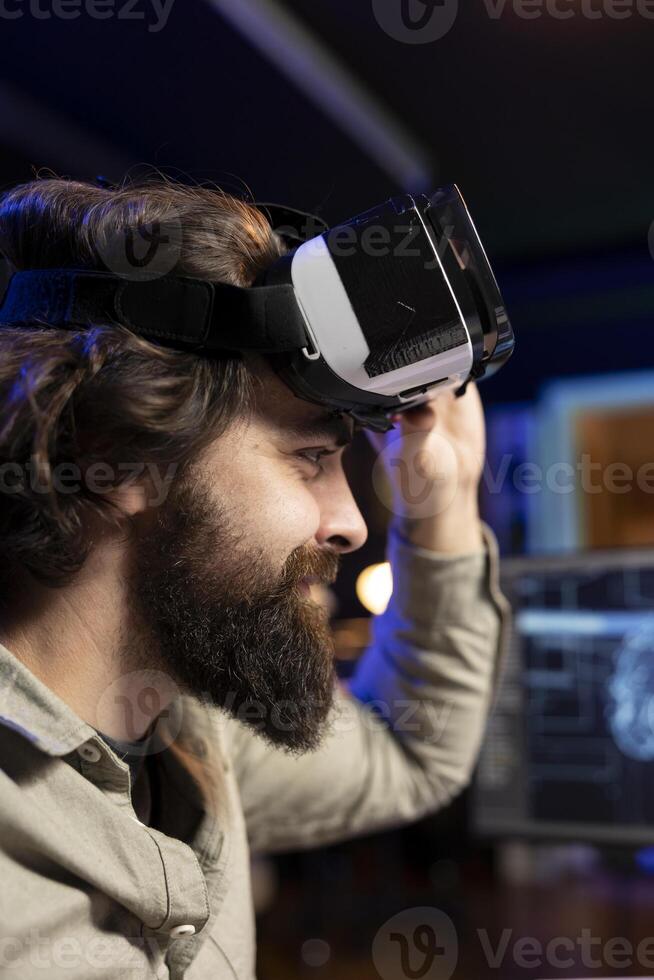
457, 530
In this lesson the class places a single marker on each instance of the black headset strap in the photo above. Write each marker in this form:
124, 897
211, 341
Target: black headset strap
176, 311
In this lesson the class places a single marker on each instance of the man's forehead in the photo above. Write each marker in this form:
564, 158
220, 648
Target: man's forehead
321, 425
282, 408
305, 420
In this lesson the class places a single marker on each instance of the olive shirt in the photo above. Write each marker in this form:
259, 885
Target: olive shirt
87, 890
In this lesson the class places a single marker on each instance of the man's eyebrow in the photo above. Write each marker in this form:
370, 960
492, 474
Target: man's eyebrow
322, 427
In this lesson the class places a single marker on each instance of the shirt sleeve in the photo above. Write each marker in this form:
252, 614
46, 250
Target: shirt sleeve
404, 734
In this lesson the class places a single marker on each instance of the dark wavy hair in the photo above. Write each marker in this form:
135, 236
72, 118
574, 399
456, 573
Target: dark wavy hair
102, 393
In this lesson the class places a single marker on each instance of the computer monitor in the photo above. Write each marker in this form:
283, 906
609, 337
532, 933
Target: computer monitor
569, 750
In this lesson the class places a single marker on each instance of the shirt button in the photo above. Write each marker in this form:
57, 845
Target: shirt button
178, 932
90, 752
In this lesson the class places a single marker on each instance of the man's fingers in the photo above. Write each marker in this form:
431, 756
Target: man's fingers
423, 417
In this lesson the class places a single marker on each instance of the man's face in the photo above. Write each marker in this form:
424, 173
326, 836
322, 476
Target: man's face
221, 576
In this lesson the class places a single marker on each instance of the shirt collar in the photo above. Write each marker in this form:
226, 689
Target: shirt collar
133, 753
28, 706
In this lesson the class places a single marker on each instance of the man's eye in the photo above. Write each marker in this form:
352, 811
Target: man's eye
314, 455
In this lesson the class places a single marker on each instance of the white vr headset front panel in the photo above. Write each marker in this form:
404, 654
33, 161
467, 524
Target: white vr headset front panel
335, 329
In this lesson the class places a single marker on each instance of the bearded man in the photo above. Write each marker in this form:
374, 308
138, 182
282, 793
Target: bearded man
169, 703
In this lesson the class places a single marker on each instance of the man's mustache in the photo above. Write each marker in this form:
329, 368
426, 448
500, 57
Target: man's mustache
308, 562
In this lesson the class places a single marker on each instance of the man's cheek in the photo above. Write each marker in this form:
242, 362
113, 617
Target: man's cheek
295, 516
275, 506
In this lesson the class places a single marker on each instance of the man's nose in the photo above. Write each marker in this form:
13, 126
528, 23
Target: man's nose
342, 526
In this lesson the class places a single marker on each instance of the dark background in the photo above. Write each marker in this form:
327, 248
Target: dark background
546, 125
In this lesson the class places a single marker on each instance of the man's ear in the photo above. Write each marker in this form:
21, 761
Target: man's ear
144, 490
133, 498
148, 492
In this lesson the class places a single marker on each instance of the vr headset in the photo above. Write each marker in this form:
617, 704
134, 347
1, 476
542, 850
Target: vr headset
367, 318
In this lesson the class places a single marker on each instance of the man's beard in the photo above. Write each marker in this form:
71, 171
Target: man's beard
231, 629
